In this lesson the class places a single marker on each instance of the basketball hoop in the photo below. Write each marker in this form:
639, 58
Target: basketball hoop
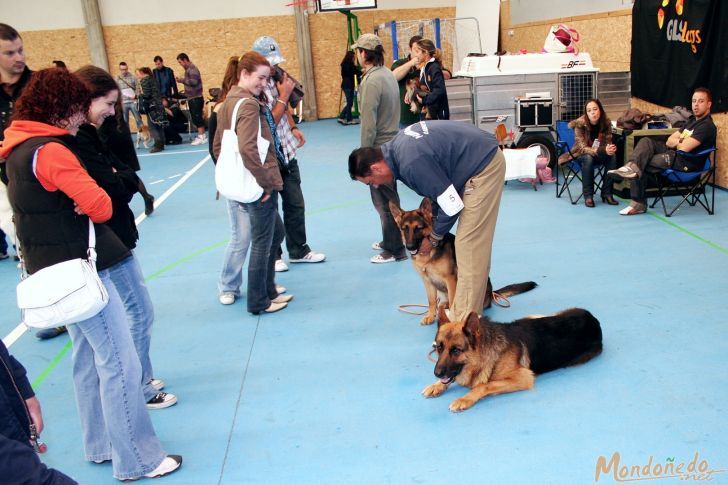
307, 4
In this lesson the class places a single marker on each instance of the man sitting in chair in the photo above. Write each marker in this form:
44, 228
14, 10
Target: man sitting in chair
698, 134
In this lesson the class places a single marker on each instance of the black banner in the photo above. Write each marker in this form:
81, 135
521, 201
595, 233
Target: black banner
677, 46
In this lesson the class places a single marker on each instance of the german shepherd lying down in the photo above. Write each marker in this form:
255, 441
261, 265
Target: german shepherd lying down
439, 270
493, 358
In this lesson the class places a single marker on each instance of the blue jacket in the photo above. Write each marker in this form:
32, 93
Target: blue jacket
430, 156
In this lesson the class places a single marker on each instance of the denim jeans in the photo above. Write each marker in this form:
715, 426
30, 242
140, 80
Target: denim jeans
346, 112
391, 236
3, 242
107, 378
294, 213
135, 111
267, 233
129, 282
587, 173
231, 276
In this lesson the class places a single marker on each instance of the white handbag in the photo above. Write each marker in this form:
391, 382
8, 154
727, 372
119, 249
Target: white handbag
64, 293
232, 179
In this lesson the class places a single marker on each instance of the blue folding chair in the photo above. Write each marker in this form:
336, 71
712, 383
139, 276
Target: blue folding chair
690, 185
571, 170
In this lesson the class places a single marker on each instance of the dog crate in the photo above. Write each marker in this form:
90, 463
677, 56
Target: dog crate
527, 93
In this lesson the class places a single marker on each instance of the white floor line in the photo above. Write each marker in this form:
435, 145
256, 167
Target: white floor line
160, 154
18, 331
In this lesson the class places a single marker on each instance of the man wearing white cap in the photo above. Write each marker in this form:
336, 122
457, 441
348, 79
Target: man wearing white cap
379, 115
278, 92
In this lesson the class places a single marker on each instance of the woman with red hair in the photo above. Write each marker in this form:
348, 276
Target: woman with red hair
54, 200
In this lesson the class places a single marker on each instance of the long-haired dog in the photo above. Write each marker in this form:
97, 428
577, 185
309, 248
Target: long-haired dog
494, 358
143, 137
438, 269
413, 87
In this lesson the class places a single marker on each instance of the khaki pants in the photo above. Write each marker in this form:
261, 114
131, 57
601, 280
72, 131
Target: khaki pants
474, 237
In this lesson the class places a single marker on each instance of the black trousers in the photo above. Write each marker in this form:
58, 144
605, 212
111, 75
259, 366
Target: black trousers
294, 212
391, 237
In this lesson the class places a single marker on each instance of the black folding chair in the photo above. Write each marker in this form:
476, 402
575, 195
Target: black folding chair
691, 186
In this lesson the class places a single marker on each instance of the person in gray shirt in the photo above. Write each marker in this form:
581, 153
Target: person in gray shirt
379, 115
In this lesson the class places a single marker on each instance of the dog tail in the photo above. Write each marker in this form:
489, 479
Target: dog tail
516, 289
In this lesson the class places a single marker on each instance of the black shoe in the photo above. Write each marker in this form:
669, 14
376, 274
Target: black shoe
608, 199
156, 149
4, 255
49, 333
589, 201
149, 205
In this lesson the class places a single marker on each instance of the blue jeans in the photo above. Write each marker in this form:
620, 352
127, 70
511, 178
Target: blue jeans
346, 112
267, 233
231, 276
107, 378
135, 111
587, 173
129, 282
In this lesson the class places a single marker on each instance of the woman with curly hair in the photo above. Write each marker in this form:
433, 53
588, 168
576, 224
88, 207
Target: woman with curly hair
54, 200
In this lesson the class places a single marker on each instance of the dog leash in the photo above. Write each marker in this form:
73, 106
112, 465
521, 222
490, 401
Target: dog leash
500, 300
404, 308
496, 298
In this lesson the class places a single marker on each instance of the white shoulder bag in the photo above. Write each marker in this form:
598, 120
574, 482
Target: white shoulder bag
232, 179
64, 293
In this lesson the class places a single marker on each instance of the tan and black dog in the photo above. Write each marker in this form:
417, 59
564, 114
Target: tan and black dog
413, 87
494, 358
439, 269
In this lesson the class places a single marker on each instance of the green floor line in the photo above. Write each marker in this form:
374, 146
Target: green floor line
689, 233
39, 380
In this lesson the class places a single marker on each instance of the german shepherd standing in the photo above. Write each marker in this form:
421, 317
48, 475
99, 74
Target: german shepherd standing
439, 269
494, 358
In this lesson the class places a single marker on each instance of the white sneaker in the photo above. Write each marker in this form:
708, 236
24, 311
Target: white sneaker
170, 464
199, 140
227, 298
158, 384
162, 400
281, 266
280, 289
311, 257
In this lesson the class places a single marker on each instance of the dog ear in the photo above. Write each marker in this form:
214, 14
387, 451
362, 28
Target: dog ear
396, 211
426, 207
471, 328
441, 315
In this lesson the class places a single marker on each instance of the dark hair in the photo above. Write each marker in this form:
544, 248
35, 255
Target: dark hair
348, 58
375, 57
158, 58
52, 96
428, 46
182, 57
122, 63
603, 121
414, 39
145, 70
59, 64
706, 91
361, 161
230, 78
97, 81
8, 33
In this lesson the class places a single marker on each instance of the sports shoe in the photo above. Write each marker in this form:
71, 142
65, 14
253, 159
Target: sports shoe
199, 140
311, 257
386, 257
282, 299
622, 173
162, 400
280, 289
49, 333
377, 246
227, 298
158, 384
281, 266
170, 464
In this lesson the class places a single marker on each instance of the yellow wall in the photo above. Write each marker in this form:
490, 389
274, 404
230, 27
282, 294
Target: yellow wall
607, 38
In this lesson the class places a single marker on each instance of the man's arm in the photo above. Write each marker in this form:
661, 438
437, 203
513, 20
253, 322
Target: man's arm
401, 71
683, 141
368, 114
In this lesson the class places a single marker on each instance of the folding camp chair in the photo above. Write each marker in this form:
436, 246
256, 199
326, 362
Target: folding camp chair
691, 186
571, 170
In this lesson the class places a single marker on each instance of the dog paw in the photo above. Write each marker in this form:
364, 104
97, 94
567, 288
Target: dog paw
427, 319
461, 404
434, 390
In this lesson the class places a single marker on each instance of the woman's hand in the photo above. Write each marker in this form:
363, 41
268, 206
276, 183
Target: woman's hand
78, 210
264, 198
35, 413
611, 149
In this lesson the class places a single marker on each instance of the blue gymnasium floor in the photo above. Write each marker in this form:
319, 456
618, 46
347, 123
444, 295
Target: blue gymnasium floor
328, 390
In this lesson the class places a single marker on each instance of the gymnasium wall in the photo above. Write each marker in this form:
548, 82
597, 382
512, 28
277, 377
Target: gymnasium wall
607, 38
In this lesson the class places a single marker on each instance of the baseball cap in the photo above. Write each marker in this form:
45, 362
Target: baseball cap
268, 48
367, 41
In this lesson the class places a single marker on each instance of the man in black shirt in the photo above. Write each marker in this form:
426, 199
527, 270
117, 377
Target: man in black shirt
698, 134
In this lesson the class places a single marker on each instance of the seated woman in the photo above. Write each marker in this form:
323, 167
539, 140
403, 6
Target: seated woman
593, 145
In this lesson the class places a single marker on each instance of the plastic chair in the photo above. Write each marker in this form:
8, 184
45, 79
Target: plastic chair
690, 185
571, 170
